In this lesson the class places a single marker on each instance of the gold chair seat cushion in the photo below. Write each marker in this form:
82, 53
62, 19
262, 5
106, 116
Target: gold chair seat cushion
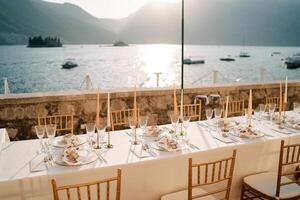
266, 184
183, 195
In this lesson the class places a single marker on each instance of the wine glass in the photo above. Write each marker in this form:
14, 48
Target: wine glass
50, 130
209, 114
174, 121
101, 132
186, 124
296, 107
40, 133
272, 108
218, 114
262, 109
90, 131
132, 125
143, 120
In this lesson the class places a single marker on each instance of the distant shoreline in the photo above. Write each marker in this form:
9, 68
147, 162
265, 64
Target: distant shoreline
140, 44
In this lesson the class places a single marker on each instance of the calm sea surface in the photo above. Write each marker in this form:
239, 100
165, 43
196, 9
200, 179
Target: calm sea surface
36, 70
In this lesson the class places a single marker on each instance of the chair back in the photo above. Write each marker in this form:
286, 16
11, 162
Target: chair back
192, 110
119, 118
273, 100
78, 188
211, 173
63, 122
235, 107
289, 157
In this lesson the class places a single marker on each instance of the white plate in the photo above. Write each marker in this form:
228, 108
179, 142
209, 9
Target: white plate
164, 147
57, 142
161, 130
85, 157
257, 134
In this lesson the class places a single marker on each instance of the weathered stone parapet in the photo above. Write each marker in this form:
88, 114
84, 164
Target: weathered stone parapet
18, 112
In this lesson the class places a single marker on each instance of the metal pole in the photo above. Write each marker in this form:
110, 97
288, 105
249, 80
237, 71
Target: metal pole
182, 43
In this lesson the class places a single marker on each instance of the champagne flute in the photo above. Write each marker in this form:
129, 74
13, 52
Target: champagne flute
262, 109
143, 121
40, 133
209, 114
50, 130
90, 131
132, 125
218, 114
174, 121
101, 128
186, 124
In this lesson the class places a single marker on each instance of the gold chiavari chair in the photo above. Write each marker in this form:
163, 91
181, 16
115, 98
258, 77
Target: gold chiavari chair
119, 118
272, 185
77, 188
235, 107
273, 100
211, 174
192, 110
64, 123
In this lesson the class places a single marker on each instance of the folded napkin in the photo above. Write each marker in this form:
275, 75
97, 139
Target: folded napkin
284, 131
37, 164
140, 153
223, 139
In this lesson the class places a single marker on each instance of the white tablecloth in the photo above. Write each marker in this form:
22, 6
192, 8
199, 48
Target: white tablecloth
142, 179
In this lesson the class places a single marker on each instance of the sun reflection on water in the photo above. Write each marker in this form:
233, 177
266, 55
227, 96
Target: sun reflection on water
160, 58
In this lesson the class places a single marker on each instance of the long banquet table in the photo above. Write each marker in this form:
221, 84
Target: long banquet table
146, 178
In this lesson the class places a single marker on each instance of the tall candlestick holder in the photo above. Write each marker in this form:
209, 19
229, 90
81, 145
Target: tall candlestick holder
109, 145
97, 146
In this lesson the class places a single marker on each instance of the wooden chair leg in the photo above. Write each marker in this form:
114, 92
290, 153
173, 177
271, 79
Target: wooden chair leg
242, 191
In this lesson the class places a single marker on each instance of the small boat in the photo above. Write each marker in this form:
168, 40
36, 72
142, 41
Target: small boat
69, 64
120, 43
244, 55
189, 61
275, 53
293, 62
228, 59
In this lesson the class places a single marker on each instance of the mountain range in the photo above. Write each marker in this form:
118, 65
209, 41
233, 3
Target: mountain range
211, 22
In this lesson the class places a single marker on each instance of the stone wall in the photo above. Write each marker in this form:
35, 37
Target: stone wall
18, 112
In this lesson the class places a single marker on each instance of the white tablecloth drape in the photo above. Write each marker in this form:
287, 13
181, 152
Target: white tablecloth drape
142, 179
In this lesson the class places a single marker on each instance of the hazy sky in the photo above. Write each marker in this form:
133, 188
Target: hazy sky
107, 8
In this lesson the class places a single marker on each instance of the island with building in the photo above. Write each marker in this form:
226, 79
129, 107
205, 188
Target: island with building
39, 42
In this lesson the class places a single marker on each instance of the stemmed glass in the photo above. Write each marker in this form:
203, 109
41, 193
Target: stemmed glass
143, 121
90, 131
272, 108
174, 121
262, 109
40, 133
50, 130
209, 114
186, 124
218, 114
100, 133
296, 108
132, 125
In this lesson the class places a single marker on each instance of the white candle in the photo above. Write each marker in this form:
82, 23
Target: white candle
181, 104
135, 106
226, 108
108, 110
98, 109
286, 90
250, 104
175, 100
280, 99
